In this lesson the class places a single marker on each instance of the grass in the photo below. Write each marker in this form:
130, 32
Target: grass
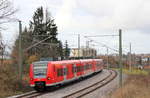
136, 86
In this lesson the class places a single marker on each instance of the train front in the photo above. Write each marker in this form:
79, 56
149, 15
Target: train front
38, 75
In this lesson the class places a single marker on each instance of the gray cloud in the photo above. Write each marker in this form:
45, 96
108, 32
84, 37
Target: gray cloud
96, 17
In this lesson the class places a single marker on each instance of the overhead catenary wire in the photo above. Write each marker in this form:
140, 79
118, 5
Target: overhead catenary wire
102, 44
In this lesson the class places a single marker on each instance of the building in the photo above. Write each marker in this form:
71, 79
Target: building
83, 52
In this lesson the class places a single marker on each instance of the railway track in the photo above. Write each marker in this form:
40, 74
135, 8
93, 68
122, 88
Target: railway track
27, 95
93, 87
77, 94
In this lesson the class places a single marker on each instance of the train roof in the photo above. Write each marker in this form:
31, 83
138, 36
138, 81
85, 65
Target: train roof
40, 62
66, 61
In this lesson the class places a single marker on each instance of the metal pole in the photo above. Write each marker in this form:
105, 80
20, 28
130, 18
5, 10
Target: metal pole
78, 45
107, 59
130, 58
86, 48
120, 57
2, 55
148, 61
20, 51
134, 60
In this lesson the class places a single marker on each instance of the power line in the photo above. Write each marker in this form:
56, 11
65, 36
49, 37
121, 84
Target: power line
101, 35
104, 45
37, 43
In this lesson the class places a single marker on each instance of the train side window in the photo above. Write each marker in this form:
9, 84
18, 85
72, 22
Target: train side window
81, 68
62, 72
97, 63
90, 66
58, 72
75, 68
84, 66
78, 68
65, 71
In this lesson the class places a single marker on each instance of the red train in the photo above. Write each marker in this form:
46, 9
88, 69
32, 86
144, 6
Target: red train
51, 73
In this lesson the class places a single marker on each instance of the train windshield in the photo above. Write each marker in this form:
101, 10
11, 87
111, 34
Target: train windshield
40, 69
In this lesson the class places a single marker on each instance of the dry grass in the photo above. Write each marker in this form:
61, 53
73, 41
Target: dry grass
136, 86
9, 83
135, 72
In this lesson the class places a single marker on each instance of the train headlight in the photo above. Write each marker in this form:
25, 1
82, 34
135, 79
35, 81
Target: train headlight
31, 79
48, 78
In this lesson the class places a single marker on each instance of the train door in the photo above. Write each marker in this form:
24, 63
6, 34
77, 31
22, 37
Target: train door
59, 73
94, 65
65, 72
69, 71
74, 70
82, 69
54, 73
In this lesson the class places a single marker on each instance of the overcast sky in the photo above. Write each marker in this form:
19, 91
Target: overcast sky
92, 17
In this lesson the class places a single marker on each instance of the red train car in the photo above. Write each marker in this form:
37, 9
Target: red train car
51, 73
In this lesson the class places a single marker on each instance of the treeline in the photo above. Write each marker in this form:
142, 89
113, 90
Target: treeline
40, 40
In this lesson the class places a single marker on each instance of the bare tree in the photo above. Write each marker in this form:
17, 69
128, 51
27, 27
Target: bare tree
2, 49
6, 11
